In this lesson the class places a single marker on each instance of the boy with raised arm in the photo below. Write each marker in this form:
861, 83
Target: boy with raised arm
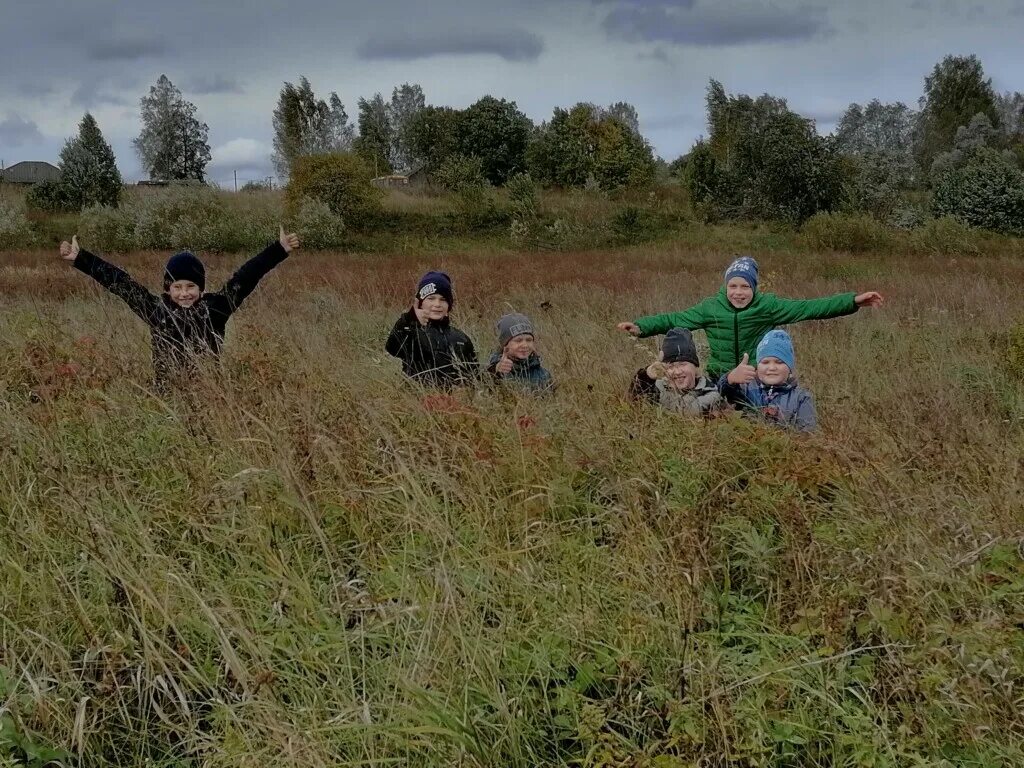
185, 322
738, 316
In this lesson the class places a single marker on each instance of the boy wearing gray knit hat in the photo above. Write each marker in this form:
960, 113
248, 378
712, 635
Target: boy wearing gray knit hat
674, 380
516, 360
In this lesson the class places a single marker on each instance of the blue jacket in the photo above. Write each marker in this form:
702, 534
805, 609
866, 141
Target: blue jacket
528, 373
787, 405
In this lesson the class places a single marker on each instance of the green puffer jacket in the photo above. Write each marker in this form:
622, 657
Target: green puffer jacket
732, 332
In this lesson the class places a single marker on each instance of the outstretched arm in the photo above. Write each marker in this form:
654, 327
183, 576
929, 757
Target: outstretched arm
797, 310
694, 318
139, 299
247, 277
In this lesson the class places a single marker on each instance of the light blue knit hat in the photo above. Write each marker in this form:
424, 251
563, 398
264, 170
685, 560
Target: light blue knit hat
777, 344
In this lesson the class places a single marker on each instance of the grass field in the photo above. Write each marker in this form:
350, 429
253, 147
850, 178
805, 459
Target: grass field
306, 563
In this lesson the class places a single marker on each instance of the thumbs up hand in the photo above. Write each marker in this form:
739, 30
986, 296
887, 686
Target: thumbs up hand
504, 366
288, 241
744, 373
69, 251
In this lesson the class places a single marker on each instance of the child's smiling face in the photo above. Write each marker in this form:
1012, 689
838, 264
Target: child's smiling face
739, 292
681, 376
184, 293
521, 347
435, 306
772, 371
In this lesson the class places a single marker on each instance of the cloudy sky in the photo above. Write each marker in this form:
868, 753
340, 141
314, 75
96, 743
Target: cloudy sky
59, 59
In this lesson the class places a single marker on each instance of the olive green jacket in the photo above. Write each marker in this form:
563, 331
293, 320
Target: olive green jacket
734, 332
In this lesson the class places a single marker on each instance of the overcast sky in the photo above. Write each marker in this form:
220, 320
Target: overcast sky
58, 59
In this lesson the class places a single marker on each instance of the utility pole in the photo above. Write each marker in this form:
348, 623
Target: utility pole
236, 181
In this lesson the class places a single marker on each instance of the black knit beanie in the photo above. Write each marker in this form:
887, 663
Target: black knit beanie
185, 266
678, 347
435, 282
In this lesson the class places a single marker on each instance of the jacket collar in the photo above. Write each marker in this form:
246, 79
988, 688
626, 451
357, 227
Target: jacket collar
533, 361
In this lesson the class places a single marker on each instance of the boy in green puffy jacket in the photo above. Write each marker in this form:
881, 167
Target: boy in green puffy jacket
738, 316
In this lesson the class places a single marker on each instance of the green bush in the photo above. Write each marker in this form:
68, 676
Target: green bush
633, 225
986, 192
318, 226
459, 172
48, 196
844, 232
341, 181
180, 218
108, 229
945, 236
15, 231
255, 187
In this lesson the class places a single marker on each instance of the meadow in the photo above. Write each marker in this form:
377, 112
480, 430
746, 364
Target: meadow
306, 562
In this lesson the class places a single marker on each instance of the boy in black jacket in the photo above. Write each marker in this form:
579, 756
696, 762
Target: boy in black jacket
185, 323
431, 350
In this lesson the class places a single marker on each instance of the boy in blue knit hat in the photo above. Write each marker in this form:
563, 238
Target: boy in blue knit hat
432, 351
184, 321
770, 391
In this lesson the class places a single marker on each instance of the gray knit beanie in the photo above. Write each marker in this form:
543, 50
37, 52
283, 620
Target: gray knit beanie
512, 325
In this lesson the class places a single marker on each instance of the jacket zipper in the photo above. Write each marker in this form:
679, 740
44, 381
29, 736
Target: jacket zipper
736, 337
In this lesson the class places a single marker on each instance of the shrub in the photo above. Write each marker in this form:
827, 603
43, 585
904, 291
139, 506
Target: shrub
341, 181
318, 225
634, 224
459, 173
108, 229
522, 192
907, 218
945, 235
15, 231
844, 232
48, 196
987, 192
254, 187
180, 217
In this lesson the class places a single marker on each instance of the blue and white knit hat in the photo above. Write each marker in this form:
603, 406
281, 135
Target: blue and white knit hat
745, 267
777, 344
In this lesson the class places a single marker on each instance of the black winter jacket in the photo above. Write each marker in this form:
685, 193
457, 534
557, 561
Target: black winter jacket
435, 354
181, 334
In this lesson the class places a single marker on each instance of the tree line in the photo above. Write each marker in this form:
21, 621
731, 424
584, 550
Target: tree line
962, 148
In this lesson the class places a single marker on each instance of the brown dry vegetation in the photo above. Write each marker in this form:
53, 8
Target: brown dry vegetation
305, 562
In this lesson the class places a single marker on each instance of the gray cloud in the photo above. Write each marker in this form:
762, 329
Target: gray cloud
713, 24
658, 54
206, 85
510, 44
93, 94
16, 131
126, 48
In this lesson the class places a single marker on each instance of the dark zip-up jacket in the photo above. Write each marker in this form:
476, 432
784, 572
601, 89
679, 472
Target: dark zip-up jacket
529, 373
435, 354
181, 334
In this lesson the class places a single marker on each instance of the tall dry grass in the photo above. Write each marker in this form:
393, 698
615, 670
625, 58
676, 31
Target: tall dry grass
306, 562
